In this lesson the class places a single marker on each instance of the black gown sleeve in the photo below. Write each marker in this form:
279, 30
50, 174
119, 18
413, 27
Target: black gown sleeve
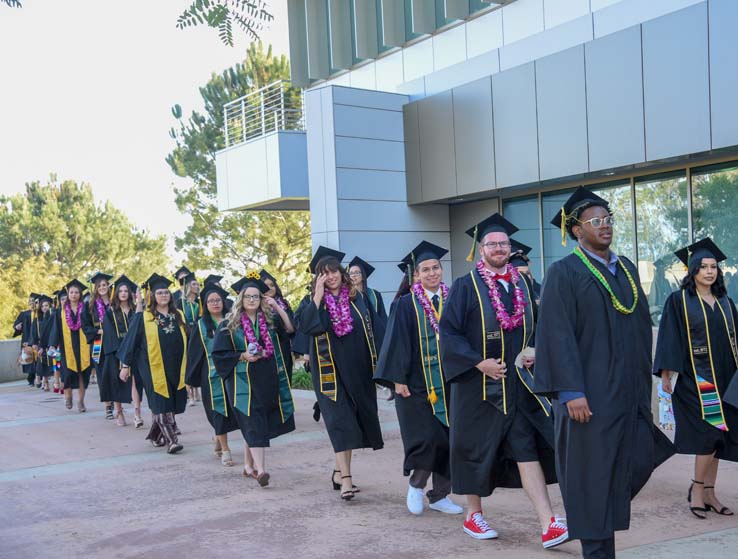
300, 340
395, 359
110, 341
225, 356
18, 321
88, 325
671, 343
55, 334
195, 357
314, 321
131, 344
379, 323
558, 363
33, 336
457, 354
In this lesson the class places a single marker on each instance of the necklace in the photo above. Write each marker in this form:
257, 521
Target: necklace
596, 273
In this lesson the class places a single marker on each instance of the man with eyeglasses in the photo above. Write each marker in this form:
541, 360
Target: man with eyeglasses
501, 434
593, 358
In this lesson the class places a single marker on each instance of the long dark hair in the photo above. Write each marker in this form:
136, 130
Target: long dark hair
94, 296
688, 283
278, 295
115, 299
331, 264
171, 307
404, 288
208, 318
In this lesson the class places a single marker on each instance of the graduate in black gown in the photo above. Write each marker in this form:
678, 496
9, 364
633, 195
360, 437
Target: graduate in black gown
593, 358
409, 364
119, 388
156, 344
189, 304
60, 299
75, 360
520, 259
40, 332
201, 372
285, 339
345, 338
697, 340
22, 328
179, 277
359, 271
247, 355
93, 316
214, 279
501, 434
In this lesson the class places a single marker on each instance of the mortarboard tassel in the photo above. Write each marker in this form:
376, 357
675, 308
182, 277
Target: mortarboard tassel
563, 226
432, 396
470, 257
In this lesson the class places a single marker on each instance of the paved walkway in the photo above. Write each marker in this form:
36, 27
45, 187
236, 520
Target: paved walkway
76, 485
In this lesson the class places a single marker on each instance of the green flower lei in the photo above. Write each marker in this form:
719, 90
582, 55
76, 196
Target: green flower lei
596, 273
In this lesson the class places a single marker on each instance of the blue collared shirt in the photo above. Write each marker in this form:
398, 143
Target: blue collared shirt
611, 265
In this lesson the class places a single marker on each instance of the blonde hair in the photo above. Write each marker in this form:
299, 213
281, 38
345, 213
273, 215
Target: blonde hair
233, 318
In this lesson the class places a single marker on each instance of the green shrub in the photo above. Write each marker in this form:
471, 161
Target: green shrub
302, 379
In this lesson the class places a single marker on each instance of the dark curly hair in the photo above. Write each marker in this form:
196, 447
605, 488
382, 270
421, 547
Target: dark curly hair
718, 288
574, 216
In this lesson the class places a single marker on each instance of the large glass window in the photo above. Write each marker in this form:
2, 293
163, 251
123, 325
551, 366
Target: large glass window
523, 213
714, 211
663, 227
621, 204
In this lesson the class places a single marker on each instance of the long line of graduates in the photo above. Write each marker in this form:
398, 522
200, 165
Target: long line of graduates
497, 381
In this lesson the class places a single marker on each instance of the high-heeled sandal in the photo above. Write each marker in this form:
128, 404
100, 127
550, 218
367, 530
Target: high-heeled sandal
347, 495
725, 511
217, 450
226, 459
695, 510
109, 412
68, 402
137, 421
120, 419
337, 486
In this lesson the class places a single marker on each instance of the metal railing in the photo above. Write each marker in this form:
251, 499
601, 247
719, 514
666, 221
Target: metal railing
274, 107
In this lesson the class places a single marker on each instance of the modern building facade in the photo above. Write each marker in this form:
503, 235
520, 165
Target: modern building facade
423, 116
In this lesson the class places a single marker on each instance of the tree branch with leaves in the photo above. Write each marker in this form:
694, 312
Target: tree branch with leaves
250, 15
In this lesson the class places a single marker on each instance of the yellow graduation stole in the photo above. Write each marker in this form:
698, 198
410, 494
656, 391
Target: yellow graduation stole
156, 361
84, 347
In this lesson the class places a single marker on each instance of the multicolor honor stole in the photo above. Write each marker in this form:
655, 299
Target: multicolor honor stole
217, 390
698, 336
97, 349
156, 361
84, 348
429, 357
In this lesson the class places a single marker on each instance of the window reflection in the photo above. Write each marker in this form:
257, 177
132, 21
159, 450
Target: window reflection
621, 205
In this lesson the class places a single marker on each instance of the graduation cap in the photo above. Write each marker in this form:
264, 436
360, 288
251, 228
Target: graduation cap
519, 253
125, 280
324, 252
493, 224
703, 248
182, 270
212, 288
45, 298
76, 283
252, 279
155, 282
366, 268
264, 275
97, 276
212, 278
424, 251
188, 278
34, 296
580, 200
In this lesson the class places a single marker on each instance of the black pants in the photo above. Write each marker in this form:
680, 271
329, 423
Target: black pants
441, 485
598, 549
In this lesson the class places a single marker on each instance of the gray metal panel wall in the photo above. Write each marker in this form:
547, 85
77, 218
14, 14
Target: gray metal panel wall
723, 72
562, 118
474, 145
339, 19
615, 100
297, 22
437, 160
412, 153
316, 15
462, 217
515, 126
676, 84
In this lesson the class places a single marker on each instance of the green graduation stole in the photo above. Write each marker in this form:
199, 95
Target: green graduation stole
191, 311
700, 354
217, 390
372, 295
286, 403
429, 357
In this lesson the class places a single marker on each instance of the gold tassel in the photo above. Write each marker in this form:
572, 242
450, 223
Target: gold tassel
563, 227
470, 257
433, 397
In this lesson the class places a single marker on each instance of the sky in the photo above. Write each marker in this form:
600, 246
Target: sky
86, 90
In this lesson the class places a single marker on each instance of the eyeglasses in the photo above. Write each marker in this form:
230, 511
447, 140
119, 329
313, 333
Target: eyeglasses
598, 222
251, 297
501, 244
354, 274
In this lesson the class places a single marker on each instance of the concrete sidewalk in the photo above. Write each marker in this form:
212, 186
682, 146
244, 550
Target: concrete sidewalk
76, 485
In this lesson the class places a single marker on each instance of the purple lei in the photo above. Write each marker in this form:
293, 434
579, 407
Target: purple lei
506, 321
430, 312
282, 303
340, 312
101, 308
248, 332
74, 323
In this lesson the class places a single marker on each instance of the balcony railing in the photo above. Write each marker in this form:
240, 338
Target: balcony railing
274, 107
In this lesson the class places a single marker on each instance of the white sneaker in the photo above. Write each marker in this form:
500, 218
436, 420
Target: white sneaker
446, 505
415, 500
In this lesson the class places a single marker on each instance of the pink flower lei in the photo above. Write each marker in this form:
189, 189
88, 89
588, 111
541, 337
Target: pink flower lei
506, 321
340, 312
101, 308
430, 312
248, 331
282, 303
74, 323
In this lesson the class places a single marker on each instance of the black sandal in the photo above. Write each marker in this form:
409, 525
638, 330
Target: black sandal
347, 495
695, 510
337, 486
725, 511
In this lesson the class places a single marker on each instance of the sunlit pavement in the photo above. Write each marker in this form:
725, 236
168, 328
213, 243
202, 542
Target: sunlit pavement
77, 485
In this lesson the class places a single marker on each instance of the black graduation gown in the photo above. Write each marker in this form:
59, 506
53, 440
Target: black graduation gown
285, 341
40, 332
424, 437
24, 319
198, 375
265, 420
584, 345
115, 326
378, 303
189, 324
134, 351
90, 325
300, 341
70, 379
692, 434
481, 434
351, 420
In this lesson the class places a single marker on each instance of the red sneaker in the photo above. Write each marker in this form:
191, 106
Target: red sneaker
556, 534
476, 526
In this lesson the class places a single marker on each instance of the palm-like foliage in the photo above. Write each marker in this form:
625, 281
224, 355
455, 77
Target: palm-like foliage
249, 15
12, 3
